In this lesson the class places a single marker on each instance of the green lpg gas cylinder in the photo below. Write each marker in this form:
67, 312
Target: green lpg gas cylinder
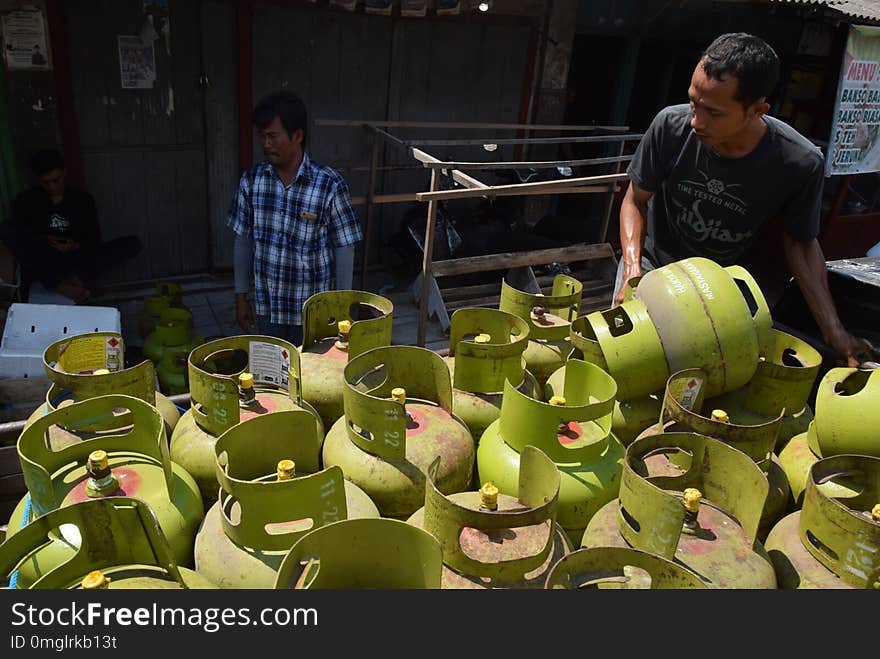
703, 315
783, 380
121, 546
619, 568
667, 515
631, 416
172, 370
174, 330
683, 411
846, 421
486, 349
131, 461
168, 294
398, 419
834, 540
231, 380
549, 318
575, 433
366, 553
272, 492
337, 327
89, 365
493, 540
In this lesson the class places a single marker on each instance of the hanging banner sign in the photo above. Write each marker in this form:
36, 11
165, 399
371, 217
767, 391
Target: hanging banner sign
854, 145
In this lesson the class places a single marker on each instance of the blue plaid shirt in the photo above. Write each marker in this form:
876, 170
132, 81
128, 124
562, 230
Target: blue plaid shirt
295, 230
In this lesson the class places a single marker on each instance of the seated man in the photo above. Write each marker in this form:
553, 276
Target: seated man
54, 233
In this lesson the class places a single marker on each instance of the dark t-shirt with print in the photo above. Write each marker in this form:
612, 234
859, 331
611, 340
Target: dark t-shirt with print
711, 206
74, 217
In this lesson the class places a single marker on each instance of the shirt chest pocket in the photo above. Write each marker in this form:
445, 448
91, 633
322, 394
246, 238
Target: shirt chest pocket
306, 228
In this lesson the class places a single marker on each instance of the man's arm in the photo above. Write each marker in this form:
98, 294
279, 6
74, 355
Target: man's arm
807, 263
241, 220
242, 268
633, 224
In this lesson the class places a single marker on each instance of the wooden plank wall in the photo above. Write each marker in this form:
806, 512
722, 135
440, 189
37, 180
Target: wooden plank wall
143, 150
221, 122
338, 63
446, 71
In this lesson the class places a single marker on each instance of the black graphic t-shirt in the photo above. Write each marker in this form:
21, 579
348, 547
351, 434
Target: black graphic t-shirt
711, 206
75, 217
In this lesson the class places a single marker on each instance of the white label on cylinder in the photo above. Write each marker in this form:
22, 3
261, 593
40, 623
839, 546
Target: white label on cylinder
269, 363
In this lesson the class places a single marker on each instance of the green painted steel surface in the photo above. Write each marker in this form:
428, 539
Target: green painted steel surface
796, 460
847, 413
683, 410
172, 370
631, 349
620, 568
258, 518
513, 546
323, 358
70, 364
630, 417
549, 345
649, 514
708, 317
782, 384
120, 536
168, 294
384, 446
479, 370
363, 553
832, 542
138, 457
586, 452
174, 329
214, 368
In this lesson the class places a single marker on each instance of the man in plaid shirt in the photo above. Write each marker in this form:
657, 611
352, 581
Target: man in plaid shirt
295, 229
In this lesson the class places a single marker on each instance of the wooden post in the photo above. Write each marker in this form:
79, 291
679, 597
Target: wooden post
427, 258
612, 189
368, 229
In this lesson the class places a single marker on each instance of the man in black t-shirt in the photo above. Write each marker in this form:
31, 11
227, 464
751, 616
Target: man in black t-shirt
707, 177
54, 232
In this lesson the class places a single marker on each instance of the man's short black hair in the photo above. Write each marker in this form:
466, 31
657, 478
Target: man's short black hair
747, 58
285, 105
46, 160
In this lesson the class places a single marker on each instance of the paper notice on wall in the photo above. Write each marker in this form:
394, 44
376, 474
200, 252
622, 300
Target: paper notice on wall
24, 39
382, 7
448, 7
269, 363
137, 63
417, 8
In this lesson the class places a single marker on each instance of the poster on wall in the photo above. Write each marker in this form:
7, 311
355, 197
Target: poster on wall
137, 63
24, 39
854, 145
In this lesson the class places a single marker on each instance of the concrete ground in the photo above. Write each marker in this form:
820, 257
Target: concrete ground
211, 300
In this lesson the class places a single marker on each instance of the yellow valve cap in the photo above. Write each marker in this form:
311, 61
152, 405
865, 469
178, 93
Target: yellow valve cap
692, 497
246, 380
399, 395
101, 371
482, 338
95, 580
557, 400
489, 496
720, 416
98, 460
286, 470
344, 327
875, 512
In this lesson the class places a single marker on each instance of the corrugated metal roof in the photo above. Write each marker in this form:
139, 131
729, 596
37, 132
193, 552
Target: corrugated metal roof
865, 9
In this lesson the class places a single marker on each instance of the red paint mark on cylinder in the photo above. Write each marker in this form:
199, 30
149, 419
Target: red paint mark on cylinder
129, 485
570, 434
265, 405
